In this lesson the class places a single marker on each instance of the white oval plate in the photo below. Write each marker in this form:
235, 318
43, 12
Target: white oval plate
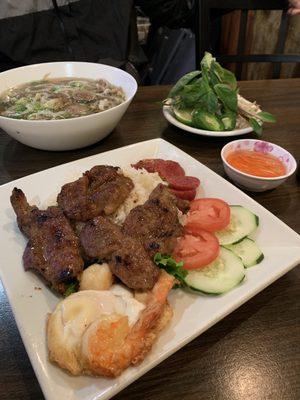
168, 115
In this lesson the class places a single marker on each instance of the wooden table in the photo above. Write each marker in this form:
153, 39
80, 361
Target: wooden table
254, 353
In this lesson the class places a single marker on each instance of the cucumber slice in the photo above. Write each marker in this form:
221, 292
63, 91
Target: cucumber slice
184, 116
248, 251
242, 223
220, 276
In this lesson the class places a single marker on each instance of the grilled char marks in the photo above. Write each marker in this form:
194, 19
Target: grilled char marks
132, 265
53, 248
100, 238
126, 257
99, 191
155, 224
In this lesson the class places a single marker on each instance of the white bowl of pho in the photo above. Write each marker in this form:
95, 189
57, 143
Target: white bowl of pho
63, 105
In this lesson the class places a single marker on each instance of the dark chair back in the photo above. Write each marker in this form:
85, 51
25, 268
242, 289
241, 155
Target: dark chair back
203, 33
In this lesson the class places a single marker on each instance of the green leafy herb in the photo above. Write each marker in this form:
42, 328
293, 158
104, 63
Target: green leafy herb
76, 84
55, 88
192, 94
171, 266
213, 90
255, 126
185, 80
19, 108
36, 107
224, 76
227, 96
266, 117
71, 288
207, 61
210, 101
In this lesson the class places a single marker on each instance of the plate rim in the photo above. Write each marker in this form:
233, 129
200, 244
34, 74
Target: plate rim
46, 388
202, 132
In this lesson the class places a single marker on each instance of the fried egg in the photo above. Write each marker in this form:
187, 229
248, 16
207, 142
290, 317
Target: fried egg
73, 316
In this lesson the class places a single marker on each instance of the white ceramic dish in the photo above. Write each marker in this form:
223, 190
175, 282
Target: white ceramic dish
169, 117
193, 314
72, 133
254, 183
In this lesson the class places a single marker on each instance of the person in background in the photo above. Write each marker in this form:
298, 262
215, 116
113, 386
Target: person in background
86, 30
294, 7
82, 30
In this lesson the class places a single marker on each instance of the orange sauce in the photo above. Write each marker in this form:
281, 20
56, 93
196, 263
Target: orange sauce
256, 163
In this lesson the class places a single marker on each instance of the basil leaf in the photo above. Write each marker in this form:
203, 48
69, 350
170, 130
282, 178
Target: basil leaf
185, 80
224, 75
255, 126
266, 117
211, 101
171, 266
191, 94
227, 96
214, 75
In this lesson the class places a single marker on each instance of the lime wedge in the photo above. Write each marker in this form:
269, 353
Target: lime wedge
184, 116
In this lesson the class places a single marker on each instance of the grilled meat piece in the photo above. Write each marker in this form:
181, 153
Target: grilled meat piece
155, 223
132, 265
126, 257
181, 204
99, 238
99, 191
53, 248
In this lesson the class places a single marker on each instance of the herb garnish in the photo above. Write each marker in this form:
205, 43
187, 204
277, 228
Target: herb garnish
167, 263
208, 99
71, 288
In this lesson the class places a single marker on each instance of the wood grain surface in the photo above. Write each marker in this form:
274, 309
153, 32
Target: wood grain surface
254, 353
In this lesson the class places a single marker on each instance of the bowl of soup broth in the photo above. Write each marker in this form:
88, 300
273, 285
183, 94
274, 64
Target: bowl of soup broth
63, 105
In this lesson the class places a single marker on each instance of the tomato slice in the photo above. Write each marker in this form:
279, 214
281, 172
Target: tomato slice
209, 214
196, 251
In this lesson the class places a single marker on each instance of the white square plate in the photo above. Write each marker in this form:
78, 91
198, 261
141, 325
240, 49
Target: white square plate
193, 314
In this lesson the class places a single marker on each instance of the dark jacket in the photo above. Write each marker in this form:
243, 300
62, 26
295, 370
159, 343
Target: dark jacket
101, 31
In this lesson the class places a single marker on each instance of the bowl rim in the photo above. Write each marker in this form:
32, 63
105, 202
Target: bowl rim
169, 116
83, 117
256, 177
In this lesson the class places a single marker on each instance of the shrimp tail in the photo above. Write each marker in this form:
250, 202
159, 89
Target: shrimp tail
110, 345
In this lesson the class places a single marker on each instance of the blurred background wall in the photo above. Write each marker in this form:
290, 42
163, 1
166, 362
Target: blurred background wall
172, 52
261, 38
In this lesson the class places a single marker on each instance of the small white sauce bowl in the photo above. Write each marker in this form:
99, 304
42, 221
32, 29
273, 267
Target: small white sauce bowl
71, 133
256, 183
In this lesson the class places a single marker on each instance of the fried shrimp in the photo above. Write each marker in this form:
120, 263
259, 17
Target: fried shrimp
104, 332
109, 345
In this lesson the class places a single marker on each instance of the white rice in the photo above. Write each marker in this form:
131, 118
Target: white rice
144, 182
